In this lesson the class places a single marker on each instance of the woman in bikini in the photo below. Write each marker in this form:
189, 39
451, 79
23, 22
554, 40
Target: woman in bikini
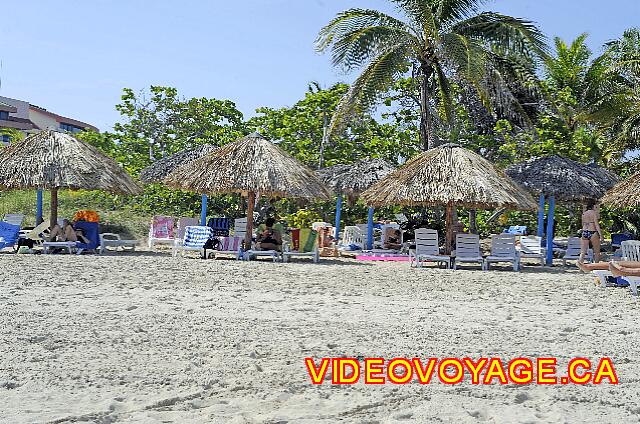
591, 233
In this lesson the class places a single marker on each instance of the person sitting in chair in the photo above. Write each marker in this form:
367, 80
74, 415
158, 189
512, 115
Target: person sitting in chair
393, 241
66, 233
270, 238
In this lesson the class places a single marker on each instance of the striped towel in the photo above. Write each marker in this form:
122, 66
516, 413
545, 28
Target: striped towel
303, 240
197, 236
229, 244
220, 226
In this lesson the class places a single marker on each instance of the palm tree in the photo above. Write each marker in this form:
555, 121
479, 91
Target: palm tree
437, 42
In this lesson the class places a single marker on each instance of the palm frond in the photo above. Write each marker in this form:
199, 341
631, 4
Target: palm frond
376, 79
353, 20
449, 11
513, 34
422, 15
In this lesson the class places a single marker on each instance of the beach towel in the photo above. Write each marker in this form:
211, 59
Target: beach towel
229, 244
220, 226
308, 239
86, 215
197, 236
91, 231
8, 234
162, 227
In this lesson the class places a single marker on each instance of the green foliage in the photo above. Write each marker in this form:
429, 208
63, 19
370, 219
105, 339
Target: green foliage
303, 218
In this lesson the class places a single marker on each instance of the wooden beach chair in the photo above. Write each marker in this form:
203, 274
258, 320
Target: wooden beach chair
530, 247
161, 231
304, 243
427, 249
467, 250
503, 249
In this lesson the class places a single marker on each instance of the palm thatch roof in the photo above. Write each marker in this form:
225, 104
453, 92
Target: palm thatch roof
565, 179
53, 160
624, 194
251, 164
449, 175
158, 170
355, 178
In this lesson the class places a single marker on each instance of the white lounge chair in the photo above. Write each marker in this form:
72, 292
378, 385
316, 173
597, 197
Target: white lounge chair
503, 249
630, 252
181, 231
317, 225
14, 219
161, 231
307, 247
353, 235
573, 250
467, 250
195, 237
231, 245
114, 240
240, 227
531, 248
427, 249
378, 245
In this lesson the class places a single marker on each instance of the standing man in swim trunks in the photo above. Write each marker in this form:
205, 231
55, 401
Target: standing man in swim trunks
591, 232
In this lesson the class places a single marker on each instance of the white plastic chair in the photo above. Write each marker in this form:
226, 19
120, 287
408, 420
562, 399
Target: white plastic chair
503, 249
353, 235
427, 249
114, 240
161, 231
195, 237
467, 250
530, 247
181, 231
573, 250
14, 219
240, 228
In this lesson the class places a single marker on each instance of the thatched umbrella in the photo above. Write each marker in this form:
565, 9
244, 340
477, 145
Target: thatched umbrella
453, 176
565, 179
160, 169
353, 179
562, 179
248, 166
624, 194
55, 160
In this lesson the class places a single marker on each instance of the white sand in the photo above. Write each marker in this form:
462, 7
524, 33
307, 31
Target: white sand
146, 339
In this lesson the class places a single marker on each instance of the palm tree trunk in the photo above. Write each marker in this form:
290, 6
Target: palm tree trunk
426, 124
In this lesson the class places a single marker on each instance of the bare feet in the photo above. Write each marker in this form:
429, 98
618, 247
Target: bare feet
582, 267
616, 269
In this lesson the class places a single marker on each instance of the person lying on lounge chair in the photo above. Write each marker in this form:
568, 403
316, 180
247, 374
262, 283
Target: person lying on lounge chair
393, 241
618, 269
66, 233
270, 238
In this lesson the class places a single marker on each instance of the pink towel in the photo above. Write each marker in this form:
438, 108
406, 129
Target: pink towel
162, 227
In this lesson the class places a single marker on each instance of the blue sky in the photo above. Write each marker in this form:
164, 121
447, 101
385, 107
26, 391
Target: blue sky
75, 56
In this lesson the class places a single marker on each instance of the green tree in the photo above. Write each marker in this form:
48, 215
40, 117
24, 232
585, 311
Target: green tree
437, 42
300, 130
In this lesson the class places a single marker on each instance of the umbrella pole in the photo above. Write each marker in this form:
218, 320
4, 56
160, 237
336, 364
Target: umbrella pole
448, 223
370, 229
39, 218
550, 222
338, 212
203, 213
250, 206
54, 208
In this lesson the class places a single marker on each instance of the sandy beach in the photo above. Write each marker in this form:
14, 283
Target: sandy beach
147, 338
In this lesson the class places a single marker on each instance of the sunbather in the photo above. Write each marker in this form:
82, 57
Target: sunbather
393, 241
66, 233
270, 238
618, 269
